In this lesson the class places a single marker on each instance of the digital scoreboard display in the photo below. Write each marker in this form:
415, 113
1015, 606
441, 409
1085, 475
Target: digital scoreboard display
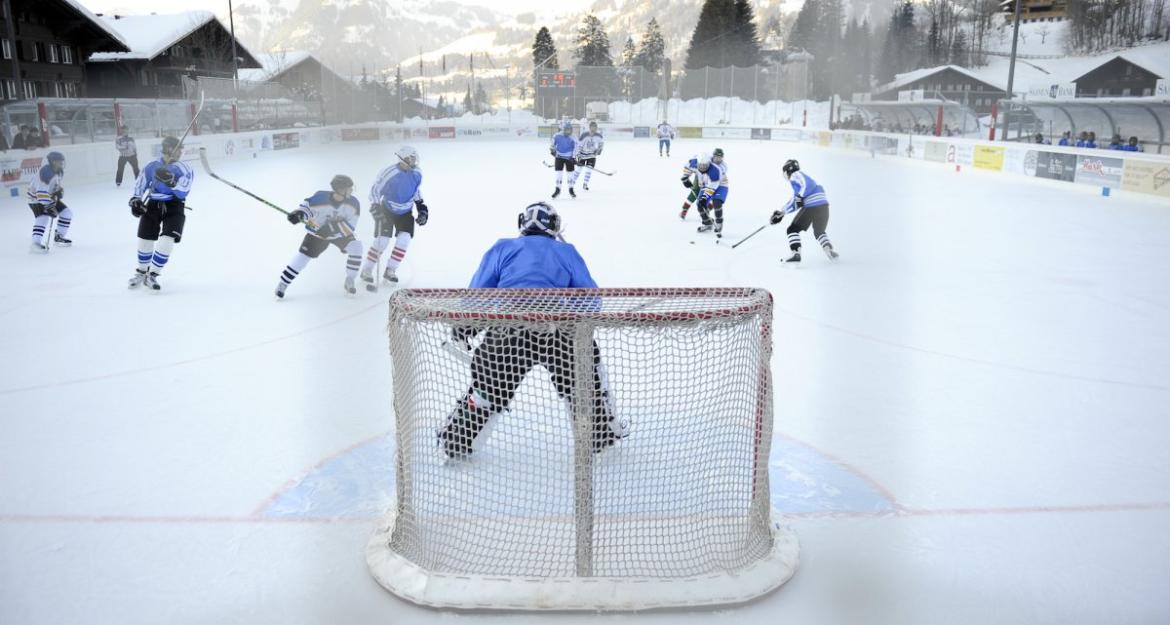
557, 80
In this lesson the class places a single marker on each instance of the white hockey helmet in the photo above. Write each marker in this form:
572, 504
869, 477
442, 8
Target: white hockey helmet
704, 163
539, 218
408, 156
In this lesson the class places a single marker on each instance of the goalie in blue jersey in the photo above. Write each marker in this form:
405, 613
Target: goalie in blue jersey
537, 259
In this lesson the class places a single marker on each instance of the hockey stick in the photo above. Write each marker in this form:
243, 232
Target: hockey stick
207, 168
194, 118
754, 233
602, 172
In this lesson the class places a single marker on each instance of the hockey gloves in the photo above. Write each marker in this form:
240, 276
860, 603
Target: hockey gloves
799, 203
777, 217
296, 217
686, 180
423, 213
165, 176
137, 208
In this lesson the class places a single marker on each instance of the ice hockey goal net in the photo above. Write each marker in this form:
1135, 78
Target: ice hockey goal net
581, 449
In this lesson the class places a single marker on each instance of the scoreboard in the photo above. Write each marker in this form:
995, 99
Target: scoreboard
555, 81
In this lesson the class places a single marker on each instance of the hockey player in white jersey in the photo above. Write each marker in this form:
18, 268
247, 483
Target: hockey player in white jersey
44, 199
712, 192
665, 134
393, 198
589, 147
330, 218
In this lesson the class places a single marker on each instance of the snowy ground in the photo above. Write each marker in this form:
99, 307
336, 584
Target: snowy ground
971, 408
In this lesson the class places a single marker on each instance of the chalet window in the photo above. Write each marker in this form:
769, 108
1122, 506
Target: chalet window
1125, 92
6, 48
53, 53
38, 51
71, 90
67, 55
8, 90
30, 90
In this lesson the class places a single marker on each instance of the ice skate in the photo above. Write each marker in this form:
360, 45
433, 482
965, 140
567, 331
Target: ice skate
151, 281
831, 253
137, 279
389, 277
557, 192
281, 287
572, 193
350, 287
585, 187
719, 230
62, 241
705, 228
792, 261
36, 247
683, 214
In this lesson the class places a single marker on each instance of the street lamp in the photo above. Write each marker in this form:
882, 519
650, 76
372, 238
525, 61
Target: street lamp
1011, 63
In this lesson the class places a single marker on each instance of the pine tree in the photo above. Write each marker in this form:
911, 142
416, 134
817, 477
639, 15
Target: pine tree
544, 50
959, 49
467, 104
745, 43
628, 52
592, 44
804, 30
652, 48
708, 47
481, 99
935, 54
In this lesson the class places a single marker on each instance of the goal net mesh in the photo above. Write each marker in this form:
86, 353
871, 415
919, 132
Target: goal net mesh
620, 433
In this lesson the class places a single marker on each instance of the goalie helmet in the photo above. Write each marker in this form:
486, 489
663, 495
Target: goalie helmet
790, 167
171, 150
341, 181
539, 218
408, 156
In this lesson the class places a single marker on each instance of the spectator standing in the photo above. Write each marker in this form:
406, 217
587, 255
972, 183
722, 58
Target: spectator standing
127, 153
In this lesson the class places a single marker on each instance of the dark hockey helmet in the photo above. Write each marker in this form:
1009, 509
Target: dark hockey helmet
717, 154
790, 167
592, 125
171, 149
340, 182
54, 157
567, 127
539, 218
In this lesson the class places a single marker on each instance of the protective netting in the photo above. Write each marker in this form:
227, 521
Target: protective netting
581, 433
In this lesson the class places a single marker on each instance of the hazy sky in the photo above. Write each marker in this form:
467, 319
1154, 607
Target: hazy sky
220, 7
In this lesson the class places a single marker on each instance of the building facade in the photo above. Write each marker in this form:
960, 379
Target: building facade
188, 45
1117, 77
43, 47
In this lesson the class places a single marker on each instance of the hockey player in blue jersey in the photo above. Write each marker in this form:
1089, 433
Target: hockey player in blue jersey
504, 356
811, 206
44, 199
395, 194
160, 197
588, 149
712, 192
563, 148
330, 218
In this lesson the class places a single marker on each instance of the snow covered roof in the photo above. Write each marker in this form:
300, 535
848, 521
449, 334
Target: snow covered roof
901, 80
274, 64
149, 35
96, 21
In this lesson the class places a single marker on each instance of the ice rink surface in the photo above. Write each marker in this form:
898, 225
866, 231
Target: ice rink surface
972, 408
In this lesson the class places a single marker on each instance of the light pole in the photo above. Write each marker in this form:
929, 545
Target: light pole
1011, 65
235, 59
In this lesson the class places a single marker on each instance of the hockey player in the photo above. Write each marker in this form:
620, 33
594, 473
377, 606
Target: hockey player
563, 148
504, 356
395, 194
588, 149
712, 193
690, 180
330, 218
160, 196
811, 206
44, 199
665, 134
